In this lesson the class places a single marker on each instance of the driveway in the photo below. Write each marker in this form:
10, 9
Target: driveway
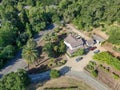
18, 62
79, 66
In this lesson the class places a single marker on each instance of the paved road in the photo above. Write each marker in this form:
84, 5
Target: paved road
18, 62
40, 77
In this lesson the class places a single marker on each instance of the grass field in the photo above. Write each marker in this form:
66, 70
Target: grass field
65, 82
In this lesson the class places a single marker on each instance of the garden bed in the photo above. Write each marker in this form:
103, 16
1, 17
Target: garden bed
103, 73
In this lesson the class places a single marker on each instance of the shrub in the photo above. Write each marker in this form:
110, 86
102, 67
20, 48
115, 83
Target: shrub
92, 63
54, 73
78, 52
50, 64
59, 63
89, 67
116, 76
63, 61
95, 73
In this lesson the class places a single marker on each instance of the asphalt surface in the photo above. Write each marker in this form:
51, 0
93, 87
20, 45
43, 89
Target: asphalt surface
40, 77
18, 62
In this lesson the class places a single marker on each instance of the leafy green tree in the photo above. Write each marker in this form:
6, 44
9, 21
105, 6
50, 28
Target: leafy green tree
62, 47
15, 81
48, 48
7, 35
56, 19
114, 37
28, 30
8, 52
21, 39
31, 2
20, 6
29, 53
24, 17
54, 73
31, 43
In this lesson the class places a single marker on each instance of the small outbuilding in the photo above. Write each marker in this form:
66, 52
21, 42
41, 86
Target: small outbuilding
98, 38
90, 42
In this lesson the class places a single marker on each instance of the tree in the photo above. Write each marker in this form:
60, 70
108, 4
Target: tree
62, 47
8, 52
28, 30
114, 37
15, 81
48, 48
31, 2
31, 43
7, 35
29, 52
54, 73
24, 17
56, 19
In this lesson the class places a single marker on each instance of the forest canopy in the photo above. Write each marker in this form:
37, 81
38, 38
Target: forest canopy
15, 81
21, 19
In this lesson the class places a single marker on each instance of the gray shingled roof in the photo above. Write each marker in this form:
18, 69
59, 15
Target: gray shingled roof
90, 41
74, 42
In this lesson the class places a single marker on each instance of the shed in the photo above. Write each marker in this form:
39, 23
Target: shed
98, 38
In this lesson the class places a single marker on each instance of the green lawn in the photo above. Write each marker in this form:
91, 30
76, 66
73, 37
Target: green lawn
105, 57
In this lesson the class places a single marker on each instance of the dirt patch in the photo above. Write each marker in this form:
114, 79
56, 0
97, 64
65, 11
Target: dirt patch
106, 77
41, 64
66, 82
100, 33
109, 47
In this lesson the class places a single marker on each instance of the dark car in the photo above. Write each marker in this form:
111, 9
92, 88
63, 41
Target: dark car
96, 51
93, 48
78, 59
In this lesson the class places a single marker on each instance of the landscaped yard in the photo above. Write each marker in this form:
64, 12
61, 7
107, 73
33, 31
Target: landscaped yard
51, 54
65, 82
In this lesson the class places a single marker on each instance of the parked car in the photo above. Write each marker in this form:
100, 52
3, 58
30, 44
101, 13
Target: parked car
96, 51
78, 59
93, 48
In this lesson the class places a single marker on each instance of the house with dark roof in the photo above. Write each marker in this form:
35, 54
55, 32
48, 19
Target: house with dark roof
98, 38
73, 43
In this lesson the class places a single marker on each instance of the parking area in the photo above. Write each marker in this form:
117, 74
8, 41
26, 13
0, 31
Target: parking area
79, 65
